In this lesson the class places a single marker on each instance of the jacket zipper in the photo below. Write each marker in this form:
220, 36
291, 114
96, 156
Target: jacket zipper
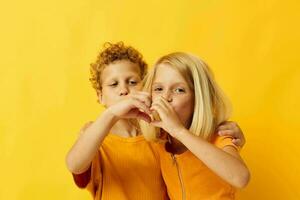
179, 176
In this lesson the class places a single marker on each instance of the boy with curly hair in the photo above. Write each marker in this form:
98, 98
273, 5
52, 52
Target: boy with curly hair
111, 158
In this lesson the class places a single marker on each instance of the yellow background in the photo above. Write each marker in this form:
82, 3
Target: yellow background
46, 49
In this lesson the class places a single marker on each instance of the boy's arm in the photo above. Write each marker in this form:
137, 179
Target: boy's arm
81, 154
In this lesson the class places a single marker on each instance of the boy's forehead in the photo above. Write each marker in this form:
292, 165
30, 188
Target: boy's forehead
121, 68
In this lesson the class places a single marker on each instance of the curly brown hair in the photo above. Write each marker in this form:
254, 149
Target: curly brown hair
113, 52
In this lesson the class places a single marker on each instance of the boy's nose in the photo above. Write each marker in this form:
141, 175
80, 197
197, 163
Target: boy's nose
124, 91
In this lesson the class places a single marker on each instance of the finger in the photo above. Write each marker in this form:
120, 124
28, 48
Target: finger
155, 116
141, 92
144, 93
226, 133
159, 101
237, 142
142, 106
140, 96
165, 103
143, 98
161, 108
157, 107
224, 127
144, 116
156, 124
227, 122
232, 133
240, 142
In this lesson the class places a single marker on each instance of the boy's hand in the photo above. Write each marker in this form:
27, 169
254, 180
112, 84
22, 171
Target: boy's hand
229, 128
136, 105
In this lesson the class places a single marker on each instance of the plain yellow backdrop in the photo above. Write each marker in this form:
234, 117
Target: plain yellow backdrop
46, 49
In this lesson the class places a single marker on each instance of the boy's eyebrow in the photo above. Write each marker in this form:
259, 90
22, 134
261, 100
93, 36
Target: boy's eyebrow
115, 78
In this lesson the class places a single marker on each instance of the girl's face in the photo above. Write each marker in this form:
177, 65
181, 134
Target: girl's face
119, 79
172, 86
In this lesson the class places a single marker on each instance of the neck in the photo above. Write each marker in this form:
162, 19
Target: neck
175, 146
125, 128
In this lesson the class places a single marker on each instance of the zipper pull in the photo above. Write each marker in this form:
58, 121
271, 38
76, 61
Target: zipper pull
173, 158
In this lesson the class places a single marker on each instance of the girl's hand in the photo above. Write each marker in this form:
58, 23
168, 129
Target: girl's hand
136, 105
169, 119
229, 128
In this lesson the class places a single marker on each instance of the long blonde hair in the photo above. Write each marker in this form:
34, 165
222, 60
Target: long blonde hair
211, 106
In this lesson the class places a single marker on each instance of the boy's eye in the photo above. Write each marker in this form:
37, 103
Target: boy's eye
113, 84
179, 90
132, 82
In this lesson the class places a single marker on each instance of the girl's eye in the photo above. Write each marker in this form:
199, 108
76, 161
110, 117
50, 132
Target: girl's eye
179, 90
157, 89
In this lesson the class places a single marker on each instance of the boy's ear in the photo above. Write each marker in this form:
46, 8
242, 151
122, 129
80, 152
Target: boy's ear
100, 99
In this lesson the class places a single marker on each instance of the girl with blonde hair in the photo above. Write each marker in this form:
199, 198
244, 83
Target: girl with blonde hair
195, 162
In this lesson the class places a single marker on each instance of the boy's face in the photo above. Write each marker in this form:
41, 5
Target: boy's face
119, 79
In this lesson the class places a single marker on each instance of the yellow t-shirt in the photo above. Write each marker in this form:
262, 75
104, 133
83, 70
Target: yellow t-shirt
187, 177
124, 169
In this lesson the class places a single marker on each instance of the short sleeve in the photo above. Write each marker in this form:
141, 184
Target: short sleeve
222, 141
92, 178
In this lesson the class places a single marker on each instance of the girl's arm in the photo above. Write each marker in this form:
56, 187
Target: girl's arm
225, 162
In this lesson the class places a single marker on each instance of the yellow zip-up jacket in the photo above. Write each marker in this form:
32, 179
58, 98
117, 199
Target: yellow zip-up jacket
188, 178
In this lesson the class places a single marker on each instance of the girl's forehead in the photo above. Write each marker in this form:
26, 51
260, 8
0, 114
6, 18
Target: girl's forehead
167, 73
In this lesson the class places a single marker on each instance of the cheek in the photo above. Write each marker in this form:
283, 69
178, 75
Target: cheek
184, 108
154, 96
108, 96
139, 86
136, 88
182, 103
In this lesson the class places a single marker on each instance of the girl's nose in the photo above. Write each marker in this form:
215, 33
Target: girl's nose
168, 97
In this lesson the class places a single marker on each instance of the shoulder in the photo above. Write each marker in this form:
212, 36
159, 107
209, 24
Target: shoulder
224, 141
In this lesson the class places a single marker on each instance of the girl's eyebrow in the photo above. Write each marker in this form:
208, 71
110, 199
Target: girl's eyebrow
176, 83
156, 83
